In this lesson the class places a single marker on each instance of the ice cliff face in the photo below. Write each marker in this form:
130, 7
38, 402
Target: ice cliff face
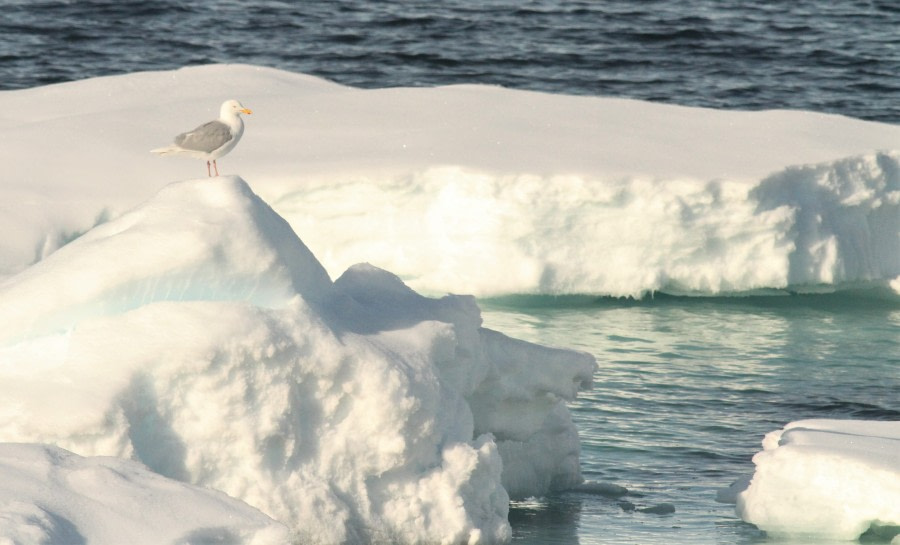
811, 227
842, 221
198, 335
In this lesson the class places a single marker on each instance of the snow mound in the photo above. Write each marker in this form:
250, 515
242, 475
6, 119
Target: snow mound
198, 335
236, 250
825, 479
51, 496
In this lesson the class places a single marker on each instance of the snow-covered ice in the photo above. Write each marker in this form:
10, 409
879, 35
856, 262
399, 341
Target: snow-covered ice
186, 327
51, 496
198, 335
476, 189
825, 479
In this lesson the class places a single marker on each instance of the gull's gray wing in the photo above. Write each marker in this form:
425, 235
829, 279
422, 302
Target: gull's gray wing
206, 138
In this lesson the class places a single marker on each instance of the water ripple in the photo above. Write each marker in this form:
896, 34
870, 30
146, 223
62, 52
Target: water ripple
686, 389
812, 54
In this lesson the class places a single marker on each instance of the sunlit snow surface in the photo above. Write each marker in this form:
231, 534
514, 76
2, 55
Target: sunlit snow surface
198, 335
825, 479
480, 190
51, 496
187, 327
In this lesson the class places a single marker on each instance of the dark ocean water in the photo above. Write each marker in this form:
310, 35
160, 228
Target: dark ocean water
823, 55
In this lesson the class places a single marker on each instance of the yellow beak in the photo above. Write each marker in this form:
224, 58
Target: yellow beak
247, 111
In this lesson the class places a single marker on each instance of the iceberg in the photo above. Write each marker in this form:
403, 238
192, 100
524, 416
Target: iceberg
826, 479
198, 336
478, 189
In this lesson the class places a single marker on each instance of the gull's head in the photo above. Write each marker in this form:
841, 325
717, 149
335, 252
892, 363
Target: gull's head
233, 107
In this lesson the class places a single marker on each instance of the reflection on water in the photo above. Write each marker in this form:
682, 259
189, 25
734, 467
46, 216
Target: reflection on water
685, 390
546, 520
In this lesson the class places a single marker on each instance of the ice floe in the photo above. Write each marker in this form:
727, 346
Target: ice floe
825, 479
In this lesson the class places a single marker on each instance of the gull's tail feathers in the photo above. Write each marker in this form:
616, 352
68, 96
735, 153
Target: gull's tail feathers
168, 150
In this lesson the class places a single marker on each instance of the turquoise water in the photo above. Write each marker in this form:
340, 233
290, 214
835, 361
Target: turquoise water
685, 390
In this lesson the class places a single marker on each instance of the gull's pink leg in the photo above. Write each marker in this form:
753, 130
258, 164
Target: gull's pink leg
207, 170
216, 167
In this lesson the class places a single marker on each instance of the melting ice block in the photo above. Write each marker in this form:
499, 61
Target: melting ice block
199, 336
831, 479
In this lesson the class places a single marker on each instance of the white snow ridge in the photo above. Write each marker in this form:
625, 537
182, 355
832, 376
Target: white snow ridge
198, 335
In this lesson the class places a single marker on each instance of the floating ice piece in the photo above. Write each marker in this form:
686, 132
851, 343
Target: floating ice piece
825, 479
659, 509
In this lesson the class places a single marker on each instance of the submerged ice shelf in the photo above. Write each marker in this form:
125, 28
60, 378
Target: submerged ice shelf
198, 335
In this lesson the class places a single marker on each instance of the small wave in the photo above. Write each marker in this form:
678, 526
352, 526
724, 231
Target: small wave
568, 43
838, 408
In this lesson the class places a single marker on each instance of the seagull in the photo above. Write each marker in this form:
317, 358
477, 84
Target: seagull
213, 139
